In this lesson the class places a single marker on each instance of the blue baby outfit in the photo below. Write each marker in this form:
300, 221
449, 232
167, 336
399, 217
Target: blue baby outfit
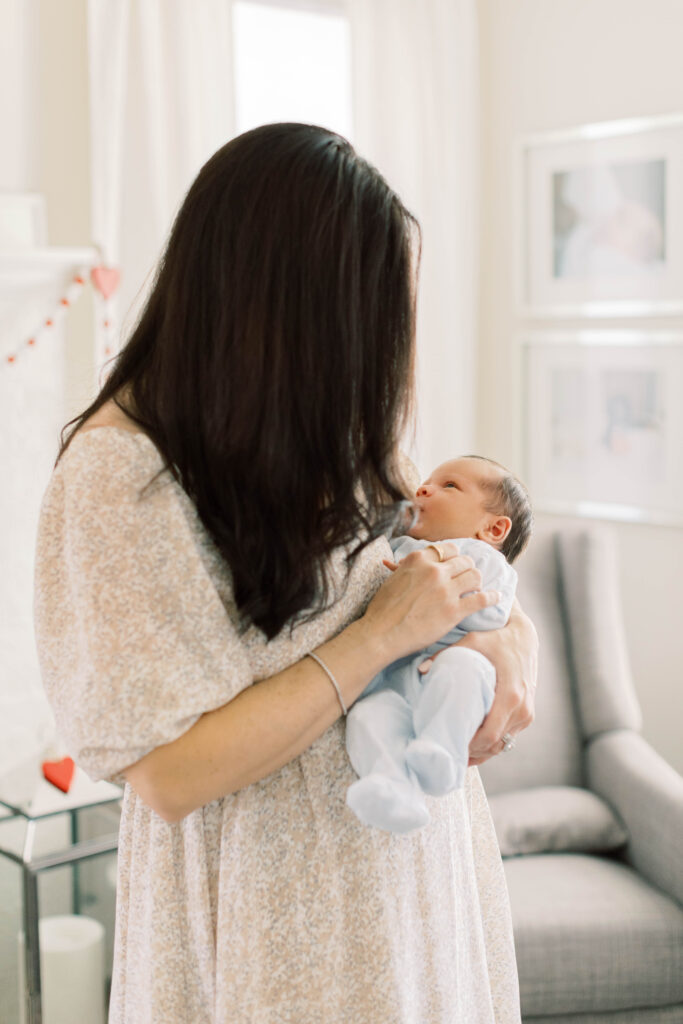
408, 734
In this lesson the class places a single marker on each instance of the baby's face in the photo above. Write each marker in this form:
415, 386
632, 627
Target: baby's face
451, 503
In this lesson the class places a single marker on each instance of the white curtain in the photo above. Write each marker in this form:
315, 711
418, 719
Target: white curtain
415, 79
162, 101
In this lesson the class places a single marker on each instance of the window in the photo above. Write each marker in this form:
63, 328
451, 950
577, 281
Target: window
292, 63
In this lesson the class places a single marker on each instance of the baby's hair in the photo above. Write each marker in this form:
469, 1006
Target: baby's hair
509, 497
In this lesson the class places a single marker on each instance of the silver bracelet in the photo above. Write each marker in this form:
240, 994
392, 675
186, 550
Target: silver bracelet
330, 677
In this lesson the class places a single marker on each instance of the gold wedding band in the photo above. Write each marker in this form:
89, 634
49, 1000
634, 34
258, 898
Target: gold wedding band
438, 549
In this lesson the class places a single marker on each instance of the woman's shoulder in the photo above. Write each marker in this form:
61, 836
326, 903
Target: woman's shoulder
109, 451
112, 485
102, 469
92, 439
98, 444
110, 417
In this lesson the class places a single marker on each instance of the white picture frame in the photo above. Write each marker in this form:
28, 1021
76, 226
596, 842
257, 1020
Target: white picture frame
602, 423
600, 220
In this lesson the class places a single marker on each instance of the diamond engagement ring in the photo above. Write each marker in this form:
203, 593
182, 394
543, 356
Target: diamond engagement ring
508, 741
438, 549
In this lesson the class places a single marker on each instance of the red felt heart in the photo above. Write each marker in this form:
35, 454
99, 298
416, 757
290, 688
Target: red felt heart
105, 279
59, 773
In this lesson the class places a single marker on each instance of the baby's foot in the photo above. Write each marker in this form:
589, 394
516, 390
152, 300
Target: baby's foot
387, 803
436, 769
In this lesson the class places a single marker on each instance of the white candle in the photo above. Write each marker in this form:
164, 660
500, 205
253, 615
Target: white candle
71, 970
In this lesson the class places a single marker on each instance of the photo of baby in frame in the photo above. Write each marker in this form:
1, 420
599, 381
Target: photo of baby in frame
603, 432
601, 223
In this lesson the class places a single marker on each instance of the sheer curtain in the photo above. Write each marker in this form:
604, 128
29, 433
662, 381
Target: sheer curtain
162, 101
415, 78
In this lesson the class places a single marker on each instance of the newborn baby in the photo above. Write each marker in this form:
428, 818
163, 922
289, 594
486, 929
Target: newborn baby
409, 734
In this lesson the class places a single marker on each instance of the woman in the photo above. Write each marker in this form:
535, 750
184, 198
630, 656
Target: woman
217, 514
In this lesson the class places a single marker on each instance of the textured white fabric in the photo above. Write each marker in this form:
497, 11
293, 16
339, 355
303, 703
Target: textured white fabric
272, 904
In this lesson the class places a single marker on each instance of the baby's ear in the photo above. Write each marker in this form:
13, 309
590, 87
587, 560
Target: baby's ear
496, 530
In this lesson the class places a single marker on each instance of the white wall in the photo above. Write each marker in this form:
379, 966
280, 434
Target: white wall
18, 95
44, 125
551, 64
61, 70
45, 141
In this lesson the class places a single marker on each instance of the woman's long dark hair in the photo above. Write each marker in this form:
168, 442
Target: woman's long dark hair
273, 363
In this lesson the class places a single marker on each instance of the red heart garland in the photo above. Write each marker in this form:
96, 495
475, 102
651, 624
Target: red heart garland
59, 773
105, 279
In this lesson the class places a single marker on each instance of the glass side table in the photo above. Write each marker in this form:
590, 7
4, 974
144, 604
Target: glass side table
47, 802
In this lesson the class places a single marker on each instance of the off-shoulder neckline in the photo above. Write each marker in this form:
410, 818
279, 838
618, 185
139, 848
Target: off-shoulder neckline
109, 427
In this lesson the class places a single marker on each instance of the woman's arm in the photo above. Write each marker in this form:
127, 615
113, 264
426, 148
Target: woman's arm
273, 721
514, 653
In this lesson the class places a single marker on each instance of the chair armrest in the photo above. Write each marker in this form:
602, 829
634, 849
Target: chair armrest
648, 795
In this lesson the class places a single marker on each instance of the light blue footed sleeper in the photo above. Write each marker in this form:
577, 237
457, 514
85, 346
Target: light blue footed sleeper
408, 734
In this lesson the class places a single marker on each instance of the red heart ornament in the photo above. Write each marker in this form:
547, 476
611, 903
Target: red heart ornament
105, 279
59, 773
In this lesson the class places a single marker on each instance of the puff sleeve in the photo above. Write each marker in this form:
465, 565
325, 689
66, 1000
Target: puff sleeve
126, 614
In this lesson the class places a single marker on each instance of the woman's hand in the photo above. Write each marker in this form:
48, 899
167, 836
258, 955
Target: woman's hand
425, 598
514, 653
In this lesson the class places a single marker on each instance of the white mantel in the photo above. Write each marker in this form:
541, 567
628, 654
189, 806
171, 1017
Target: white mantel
31, 283
47, 259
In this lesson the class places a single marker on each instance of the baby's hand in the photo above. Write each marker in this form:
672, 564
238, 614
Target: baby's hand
390, 565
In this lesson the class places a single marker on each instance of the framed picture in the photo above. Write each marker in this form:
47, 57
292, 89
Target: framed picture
603, 423
601, 220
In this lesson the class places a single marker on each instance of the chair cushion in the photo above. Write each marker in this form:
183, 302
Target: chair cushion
592, 935
590, 585
655, 1015
550, 752
554, 819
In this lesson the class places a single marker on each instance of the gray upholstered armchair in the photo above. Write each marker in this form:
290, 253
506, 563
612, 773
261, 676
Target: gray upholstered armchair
589, 817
